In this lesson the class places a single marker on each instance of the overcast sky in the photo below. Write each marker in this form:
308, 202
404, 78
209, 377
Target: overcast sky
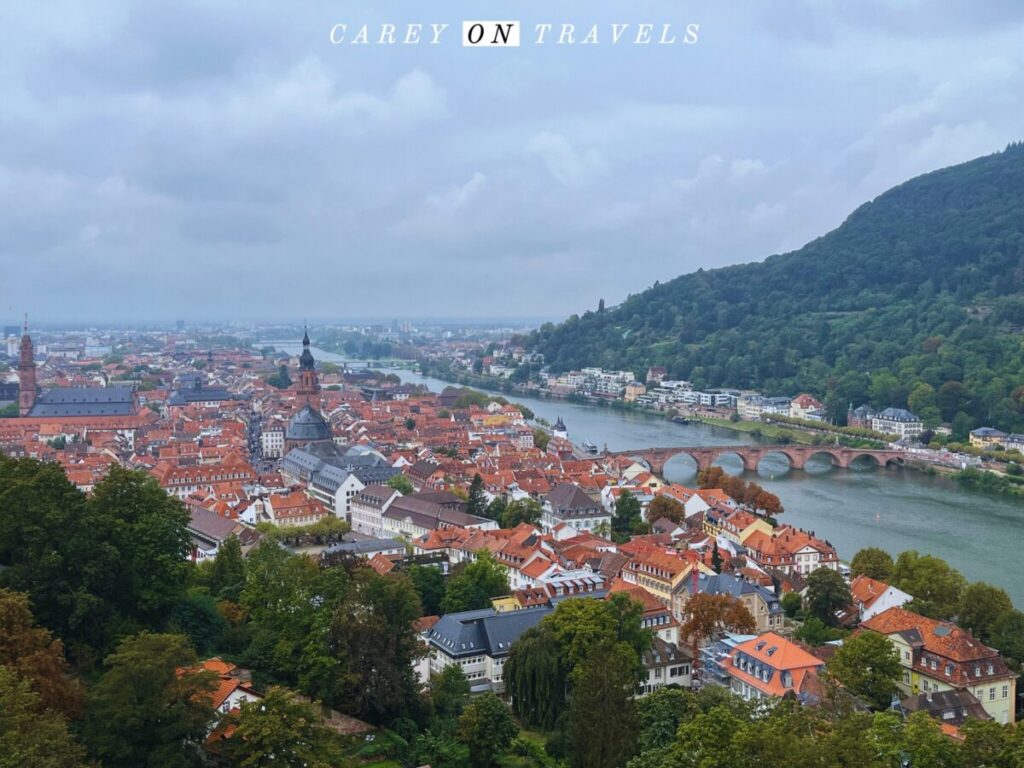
214, 160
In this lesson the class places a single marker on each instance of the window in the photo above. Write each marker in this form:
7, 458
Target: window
991, 694
1006, 691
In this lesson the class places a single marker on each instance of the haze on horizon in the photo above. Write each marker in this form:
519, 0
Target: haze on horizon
219, 161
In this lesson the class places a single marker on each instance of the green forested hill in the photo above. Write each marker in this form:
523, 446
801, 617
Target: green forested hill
916, 299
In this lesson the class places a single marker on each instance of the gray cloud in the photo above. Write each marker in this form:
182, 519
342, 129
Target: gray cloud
153, 154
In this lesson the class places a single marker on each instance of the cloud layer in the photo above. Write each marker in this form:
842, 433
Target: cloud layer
210, 160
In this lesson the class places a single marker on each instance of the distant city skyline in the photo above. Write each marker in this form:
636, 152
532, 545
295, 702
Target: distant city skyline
227, 162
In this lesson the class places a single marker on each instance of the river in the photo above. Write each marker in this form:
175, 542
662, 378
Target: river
896, 509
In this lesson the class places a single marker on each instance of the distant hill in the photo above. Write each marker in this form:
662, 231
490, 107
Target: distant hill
916, 300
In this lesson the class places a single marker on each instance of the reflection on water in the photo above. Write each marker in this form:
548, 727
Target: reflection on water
895, 509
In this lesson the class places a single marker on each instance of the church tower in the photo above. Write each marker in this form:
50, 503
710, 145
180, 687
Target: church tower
309, 385
26, 374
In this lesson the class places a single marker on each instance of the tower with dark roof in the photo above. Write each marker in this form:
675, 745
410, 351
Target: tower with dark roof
26, 374
308, 387
308, 425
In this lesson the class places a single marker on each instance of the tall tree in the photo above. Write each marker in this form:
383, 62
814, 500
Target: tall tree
449, 691
627, 514
36, 656
1008, 635
602, 715
476, 500
521, 511
32, 734
475, 585
371, 629
429, 583
401, 483
981, 605
827, 593
535, 679
149, 709
279, 730
227, 576
487, 728
868, 666
934, 585
873, 562
95, 569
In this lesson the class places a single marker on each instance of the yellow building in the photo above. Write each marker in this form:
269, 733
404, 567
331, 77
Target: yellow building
633, 391
940, 656
987, 437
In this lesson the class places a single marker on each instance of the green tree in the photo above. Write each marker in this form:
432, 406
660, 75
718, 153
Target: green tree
602, 717
535, 678
95, 569
541, 438
31, 734
227, 576
371, 634
496, 509
873, 562
1008, 635
934, 585
716, 559
791, 603
827, 593
981, 605
198, 618
401, 483
439, 751
521, 511
476, 501
279, 730
541, 663
146, 711
868, 666
475, 585
627, 514
429, 583
815, 632
487, 728
289, 600
449, 691
659, 715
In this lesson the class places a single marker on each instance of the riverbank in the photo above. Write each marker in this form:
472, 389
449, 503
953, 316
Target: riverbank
761, 429
864, 506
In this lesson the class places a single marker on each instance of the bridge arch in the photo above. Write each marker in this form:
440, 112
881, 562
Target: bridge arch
835, 457
793, 461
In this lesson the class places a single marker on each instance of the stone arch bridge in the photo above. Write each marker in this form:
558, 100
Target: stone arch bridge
751, 455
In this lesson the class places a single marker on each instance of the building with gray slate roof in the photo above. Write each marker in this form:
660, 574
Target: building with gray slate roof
85, 401
197, 394
763, 604
334, 473
568, 503
479, 643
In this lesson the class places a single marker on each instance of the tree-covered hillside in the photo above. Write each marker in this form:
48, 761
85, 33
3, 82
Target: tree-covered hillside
916, 299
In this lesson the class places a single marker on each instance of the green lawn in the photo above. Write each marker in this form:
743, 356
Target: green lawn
765, 428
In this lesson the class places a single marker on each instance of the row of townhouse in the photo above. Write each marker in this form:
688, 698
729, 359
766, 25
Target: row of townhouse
378, 510
790, 550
